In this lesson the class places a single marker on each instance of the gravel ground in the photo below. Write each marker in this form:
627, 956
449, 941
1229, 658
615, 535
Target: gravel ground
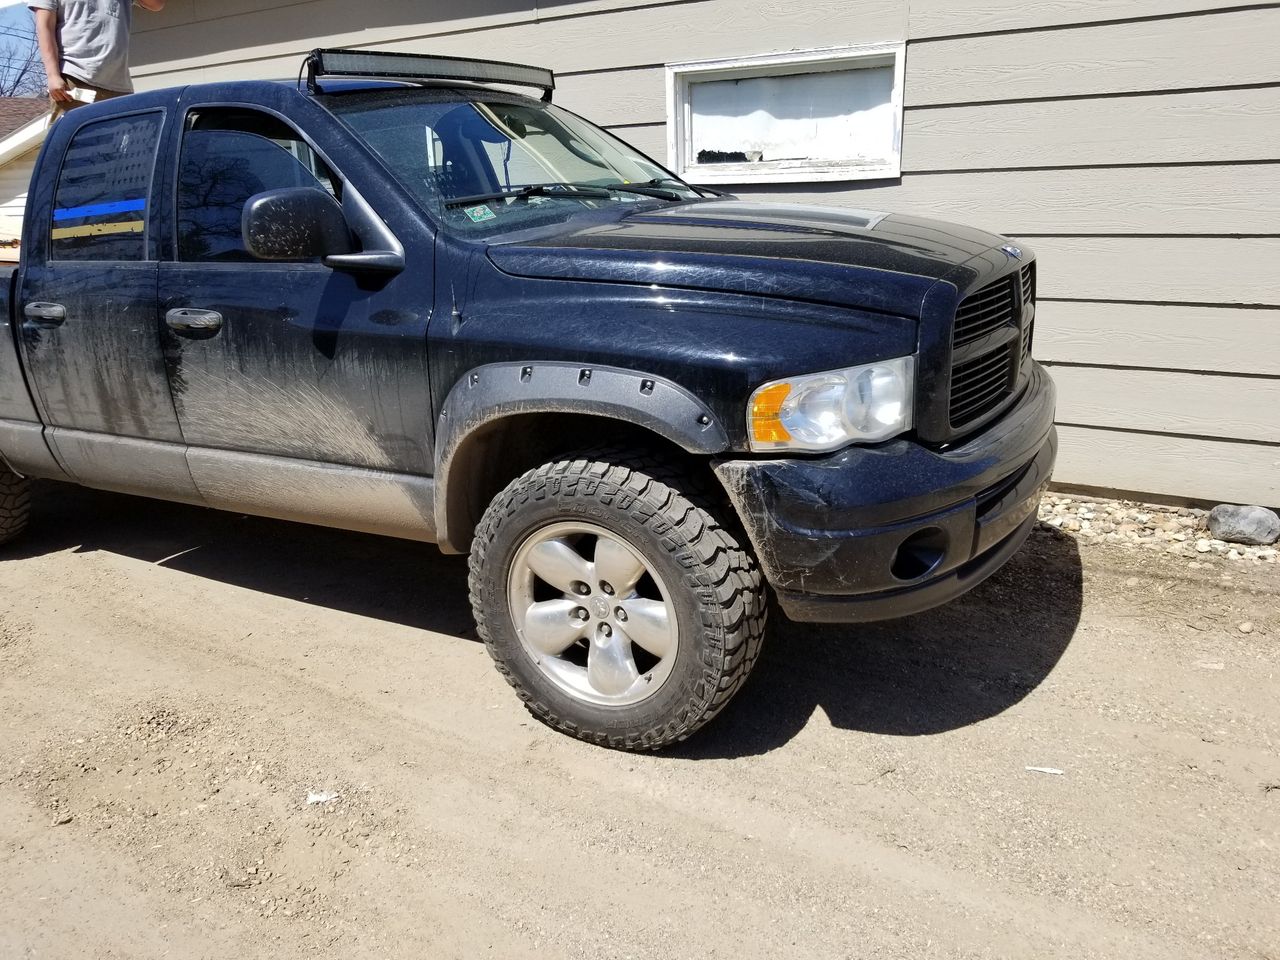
1077, 760
1178, 532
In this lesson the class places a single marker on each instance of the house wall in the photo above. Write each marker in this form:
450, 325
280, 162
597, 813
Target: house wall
14, 178
1135, 146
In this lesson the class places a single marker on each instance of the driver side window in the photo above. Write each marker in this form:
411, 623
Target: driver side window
228, 155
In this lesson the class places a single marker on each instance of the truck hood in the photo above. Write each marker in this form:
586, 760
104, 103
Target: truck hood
870, 261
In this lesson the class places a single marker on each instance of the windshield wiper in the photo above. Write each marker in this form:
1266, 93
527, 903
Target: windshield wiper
566, 191
704, 191
644, 189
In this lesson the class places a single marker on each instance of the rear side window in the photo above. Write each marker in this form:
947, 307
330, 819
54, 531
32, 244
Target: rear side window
228, 155
104, 189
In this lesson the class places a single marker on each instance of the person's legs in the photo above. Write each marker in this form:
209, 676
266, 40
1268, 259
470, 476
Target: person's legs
81, 93
62, 106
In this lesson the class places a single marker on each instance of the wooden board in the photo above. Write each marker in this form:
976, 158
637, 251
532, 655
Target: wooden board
270, 39
1202, 404
1172, 128
1218, 470
178, 12
1214, 339
940, 18
1170, 269
1213, 50
1161, 200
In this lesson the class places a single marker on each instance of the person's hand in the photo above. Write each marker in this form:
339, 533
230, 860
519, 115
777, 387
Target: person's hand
59, 88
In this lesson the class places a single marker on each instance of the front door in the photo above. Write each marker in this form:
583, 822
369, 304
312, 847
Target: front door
279, 368
87, 311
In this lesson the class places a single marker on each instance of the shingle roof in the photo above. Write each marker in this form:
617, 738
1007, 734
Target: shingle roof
17, 112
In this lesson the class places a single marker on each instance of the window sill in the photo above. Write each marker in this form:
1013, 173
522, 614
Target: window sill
744, 173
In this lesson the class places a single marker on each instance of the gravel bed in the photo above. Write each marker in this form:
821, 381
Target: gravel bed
1182, 532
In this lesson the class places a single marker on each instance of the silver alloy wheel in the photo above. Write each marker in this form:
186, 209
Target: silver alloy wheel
583, 600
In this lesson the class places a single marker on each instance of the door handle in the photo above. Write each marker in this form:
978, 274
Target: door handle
196, 324
45, 314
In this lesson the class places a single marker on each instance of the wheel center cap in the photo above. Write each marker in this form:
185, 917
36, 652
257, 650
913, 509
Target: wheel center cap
600, 607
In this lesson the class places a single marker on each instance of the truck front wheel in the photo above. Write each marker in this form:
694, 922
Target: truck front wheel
620, 610
15, 504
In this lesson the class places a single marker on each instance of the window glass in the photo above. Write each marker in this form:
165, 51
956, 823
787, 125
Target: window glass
447, 146
841, 115
795, 117
227, 157
104, 187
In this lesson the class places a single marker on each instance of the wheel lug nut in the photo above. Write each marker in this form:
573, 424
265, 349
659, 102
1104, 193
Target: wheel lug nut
607, 588
581, 588
581, 614
621, 614
606, 630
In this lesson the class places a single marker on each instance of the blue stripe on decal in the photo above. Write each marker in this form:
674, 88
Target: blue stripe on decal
100, 209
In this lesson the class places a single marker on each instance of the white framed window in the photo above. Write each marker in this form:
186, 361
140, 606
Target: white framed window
830, 114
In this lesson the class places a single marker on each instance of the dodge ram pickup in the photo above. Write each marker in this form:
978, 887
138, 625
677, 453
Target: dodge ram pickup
398, 297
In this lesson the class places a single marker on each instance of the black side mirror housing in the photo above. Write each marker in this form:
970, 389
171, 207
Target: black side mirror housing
295, 223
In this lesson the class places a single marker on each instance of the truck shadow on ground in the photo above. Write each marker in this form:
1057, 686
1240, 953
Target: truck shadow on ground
936, 671
927, 674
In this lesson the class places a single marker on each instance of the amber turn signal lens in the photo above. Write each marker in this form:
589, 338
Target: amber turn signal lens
766, 409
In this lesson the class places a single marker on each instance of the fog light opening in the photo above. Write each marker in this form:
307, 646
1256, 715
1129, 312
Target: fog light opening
920, 554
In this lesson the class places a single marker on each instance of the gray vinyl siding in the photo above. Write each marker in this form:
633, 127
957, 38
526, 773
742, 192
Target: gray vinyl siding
1135, 146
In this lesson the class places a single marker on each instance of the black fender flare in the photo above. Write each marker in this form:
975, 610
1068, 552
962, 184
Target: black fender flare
494, 391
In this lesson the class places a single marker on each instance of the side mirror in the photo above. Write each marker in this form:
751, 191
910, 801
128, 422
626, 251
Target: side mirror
296, 223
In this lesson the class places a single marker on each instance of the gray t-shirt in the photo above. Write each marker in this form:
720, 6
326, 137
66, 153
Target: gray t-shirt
95, 40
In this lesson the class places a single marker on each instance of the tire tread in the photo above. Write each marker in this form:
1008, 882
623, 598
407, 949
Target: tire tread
666, 499
15, 504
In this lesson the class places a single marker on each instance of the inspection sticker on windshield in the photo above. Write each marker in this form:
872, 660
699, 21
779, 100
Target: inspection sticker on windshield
480, 214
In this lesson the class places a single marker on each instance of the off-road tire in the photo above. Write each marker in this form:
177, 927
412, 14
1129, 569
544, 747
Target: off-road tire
715, 584
15, 504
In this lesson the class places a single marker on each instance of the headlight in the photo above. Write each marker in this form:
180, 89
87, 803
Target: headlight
825, 411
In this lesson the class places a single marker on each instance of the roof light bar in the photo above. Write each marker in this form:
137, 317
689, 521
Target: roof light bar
412, 66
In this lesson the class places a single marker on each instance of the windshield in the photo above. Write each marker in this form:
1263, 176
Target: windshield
485, 163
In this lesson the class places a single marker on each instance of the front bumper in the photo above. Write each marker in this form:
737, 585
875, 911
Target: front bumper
871, 533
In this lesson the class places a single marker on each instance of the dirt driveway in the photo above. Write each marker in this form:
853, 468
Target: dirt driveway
174, 682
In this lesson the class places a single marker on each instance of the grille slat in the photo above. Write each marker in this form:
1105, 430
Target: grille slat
970, 405
978, 393
978, 400
993, 375
979, 302
979, 384
996, 310
959, 397
1027, 276
989, 309
979, 368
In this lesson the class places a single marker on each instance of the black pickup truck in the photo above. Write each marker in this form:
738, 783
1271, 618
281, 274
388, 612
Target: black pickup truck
399, 298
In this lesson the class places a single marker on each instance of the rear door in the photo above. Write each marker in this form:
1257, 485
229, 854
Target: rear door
90, 337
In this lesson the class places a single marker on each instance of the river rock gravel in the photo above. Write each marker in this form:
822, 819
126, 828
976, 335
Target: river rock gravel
1254, 525
1177, 531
